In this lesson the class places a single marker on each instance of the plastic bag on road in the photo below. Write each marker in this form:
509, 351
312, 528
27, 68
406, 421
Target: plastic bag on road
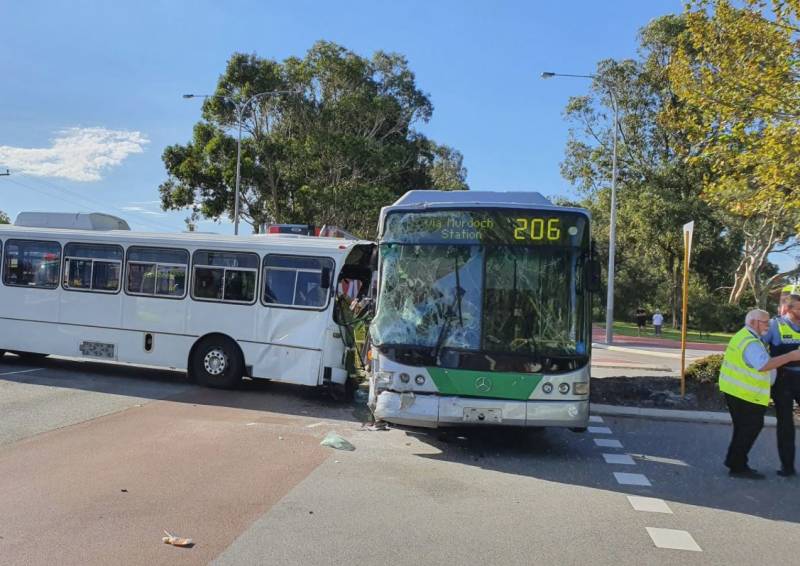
335, 441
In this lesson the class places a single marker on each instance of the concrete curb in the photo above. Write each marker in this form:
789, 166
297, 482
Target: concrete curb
689, 357
668, 414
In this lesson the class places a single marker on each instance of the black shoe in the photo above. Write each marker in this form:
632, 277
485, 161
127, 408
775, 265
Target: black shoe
787, 472
747, 473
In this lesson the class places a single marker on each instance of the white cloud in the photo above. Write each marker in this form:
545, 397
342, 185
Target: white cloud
77, 154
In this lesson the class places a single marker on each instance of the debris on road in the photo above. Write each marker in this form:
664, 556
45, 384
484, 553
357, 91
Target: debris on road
177, 541
333, 440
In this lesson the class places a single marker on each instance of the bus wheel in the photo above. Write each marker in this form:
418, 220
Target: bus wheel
217, 362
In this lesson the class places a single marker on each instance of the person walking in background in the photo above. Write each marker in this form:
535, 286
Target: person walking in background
784, 336
745, 377
658, 321
641, 320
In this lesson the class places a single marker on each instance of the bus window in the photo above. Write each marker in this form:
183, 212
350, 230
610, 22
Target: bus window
157, 272
224, 276
92, 267
295, 281
28, 263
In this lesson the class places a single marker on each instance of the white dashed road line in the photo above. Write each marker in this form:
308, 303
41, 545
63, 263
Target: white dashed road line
599, 430
20, 371
662, 538
673, 539
649, 504
624, 478
622, 459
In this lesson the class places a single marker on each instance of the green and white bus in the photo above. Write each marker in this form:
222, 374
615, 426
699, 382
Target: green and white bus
483, 311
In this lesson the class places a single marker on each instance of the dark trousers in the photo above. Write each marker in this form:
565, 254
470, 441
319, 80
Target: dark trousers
748, 420
784, 393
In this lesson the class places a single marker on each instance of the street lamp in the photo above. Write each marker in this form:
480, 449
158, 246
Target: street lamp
612, 231
240, 108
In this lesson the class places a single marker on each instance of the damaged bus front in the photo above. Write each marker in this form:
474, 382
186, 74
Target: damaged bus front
483, 311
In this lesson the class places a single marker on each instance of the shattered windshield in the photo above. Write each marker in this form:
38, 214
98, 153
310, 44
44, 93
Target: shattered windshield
475, 281
532, 305
430, 296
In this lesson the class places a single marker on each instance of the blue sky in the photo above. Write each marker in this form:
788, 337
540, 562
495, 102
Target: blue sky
91, 91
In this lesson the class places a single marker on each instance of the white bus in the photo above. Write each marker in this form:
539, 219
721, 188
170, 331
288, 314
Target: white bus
219, 307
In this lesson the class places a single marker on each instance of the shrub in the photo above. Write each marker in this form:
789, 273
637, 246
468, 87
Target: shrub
705, 370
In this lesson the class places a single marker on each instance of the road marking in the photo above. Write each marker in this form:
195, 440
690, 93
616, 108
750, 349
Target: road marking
649, 504
631, 479
673, 539
595, 419
659, 459
599, 430
623, 459
21, 371
607, 443
315, 425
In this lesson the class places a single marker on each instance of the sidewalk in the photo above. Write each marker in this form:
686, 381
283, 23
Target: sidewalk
652, 346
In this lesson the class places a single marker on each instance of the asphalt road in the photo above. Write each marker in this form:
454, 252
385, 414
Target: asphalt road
96, 461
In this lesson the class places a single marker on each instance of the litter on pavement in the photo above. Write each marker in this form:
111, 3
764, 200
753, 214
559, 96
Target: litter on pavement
177, 541
335, 441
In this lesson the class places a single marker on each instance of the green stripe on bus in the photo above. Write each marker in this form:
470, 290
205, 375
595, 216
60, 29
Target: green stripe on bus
499, 385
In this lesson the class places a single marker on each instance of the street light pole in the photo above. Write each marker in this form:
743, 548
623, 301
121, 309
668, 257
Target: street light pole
240, 108
612, 229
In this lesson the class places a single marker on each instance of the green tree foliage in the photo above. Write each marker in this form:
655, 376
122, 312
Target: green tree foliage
334, 151
4, 219
737, 67
657, 192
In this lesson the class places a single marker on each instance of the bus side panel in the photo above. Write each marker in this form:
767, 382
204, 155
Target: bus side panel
30, 304
93, 309
294, 339
283, 363
31, 336
150, 314
168, 350
236, 321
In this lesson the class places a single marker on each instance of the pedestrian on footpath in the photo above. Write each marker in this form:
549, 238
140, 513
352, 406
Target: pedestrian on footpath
745, 378
641, 320
658, 320
784, 336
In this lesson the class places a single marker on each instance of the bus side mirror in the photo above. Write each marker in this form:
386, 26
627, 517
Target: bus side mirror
325, 278
593, 276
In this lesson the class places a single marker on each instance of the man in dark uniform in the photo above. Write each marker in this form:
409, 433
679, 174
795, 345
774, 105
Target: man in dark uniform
783, 337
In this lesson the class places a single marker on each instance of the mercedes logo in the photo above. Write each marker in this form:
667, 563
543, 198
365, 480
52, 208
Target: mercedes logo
483, 384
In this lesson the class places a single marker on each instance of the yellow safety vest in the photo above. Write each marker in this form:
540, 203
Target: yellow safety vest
788, 334
737, 378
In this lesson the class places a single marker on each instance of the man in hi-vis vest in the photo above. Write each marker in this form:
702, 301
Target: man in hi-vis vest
746, 375
784, 336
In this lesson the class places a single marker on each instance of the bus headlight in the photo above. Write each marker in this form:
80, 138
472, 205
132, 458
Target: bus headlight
405, 378
547, 388
580, 388
563, 388
383, 379
419, 379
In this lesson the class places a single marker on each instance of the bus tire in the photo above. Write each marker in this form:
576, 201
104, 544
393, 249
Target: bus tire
217, 362
578, 429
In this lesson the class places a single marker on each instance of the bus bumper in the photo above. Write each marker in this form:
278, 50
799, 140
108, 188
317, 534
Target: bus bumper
434, 411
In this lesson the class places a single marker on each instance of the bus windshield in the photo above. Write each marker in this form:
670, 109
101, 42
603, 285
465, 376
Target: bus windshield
482, 291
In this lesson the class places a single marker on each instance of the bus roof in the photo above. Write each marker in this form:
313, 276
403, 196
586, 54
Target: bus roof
278, 242
431, 200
